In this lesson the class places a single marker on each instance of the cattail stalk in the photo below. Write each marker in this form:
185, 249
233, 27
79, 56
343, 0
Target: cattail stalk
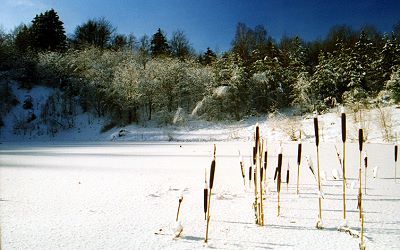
362, 244
344, 161
255, 163
179, 206
316, 130
279, 180
261, 209
212, 173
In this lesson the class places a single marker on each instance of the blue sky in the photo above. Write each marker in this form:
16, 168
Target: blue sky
210, 23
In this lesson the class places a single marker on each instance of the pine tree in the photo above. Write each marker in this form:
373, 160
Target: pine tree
388, 57
23, 38
47, 32
159, 44
208, 57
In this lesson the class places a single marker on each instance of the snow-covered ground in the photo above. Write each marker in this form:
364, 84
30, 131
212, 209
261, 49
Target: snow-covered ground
83, 189
124, 195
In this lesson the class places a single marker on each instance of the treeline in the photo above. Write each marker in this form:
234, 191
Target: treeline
131, 79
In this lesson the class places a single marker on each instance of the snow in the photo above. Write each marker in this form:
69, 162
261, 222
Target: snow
83, 189
122, 195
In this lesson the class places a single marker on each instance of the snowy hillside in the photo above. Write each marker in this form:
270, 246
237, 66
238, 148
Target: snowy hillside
380, 125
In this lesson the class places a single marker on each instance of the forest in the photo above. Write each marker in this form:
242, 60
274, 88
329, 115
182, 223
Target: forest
132, 80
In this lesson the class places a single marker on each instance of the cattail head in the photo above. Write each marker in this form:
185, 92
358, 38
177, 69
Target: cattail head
250, 172
205, 199
287, 173
316, 130
212, 172
257, 135
261, 173
265, 159
254, 155
343, 127
360, 139
395, 152
280, 161
299, 148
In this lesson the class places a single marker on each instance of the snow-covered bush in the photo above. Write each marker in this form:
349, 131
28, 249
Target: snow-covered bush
304, 96
393, 85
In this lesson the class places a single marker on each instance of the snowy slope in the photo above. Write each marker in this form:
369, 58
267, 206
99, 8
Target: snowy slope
277, 127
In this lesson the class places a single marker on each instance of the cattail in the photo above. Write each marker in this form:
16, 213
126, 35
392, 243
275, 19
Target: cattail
250, 172
299, 149
179, 206
212, 172
365, 160
365, 172
241, 166
395, 161
287, 174
261, 174
205, 195
343, 125
254, 155
360, 144
279, 172
257, 136
279, 168
343, 162
360, 139
265, 160
316, 130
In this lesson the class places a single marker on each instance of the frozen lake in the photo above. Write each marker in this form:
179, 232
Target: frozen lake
124, 196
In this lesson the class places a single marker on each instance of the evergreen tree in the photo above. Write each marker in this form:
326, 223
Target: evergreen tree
362, 57
47, 32
208, 57
388, 57
159, 44
23, 38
